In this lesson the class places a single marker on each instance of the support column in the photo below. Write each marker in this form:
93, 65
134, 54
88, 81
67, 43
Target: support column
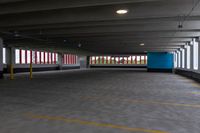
84, 62
192, 56
10, 56
177, 58
1, 58
60, 61
198, 55
185, 49
181, 61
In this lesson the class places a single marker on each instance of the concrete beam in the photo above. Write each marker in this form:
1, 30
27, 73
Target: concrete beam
10, 1
32, 6
83, 15
124, 29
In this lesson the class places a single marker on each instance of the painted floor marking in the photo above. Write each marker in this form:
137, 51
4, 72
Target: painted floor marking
92, 123
146, 102
195, 93
192, 82
196, 85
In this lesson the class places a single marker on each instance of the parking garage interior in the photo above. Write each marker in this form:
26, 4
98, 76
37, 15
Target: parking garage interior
101, 66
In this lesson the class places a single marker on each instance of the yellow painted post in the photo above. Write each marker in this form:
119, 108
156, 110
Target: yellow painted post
31, 70
11, 72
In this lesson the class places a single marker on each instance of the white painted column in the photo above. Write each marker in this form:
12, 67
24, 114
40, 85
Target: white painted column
198, 55
174, 55
1, 58
176, 58
185, 49
181, 61
192, 56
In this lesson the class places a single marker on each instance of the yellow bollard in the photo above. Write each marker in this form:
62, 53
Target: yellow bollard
31, 70
11, 72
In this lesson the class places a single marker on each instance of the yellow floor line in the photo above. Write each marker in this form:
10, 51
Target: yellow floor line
92, 123
195, 85
195, 93
146, 102
165, 103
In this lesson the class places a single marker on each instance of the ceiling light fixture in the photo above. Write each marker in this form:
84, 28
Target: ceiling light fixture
142, 44
122, 11
79, 45
16, 34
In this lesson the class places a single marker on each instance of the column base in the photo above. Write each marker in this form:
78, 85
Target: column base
1, 74
60, 67
160, 70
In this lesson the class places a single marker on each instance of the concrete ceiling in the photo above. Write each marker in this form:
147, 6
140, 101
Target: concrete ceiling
63, 24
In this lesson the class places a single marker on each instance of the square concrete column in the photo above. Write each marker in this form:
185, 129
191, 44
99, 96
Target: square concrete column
177, 59
60, 61
185, 49
199, 55
181, 61
10, 57
84, 62
192, 56
1, 58
174, 56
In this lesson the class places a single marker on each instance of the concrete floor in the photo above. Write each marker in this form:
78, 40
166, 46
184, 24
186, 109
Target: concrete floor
99, 101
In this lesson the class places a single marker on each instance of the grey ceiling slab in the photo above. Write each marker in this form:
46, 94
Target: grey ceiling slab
64, 24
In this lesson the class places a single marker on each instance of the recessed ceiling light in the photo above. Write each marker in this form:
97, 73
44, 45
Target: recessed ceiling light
79, 45
142, 44
122, 11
